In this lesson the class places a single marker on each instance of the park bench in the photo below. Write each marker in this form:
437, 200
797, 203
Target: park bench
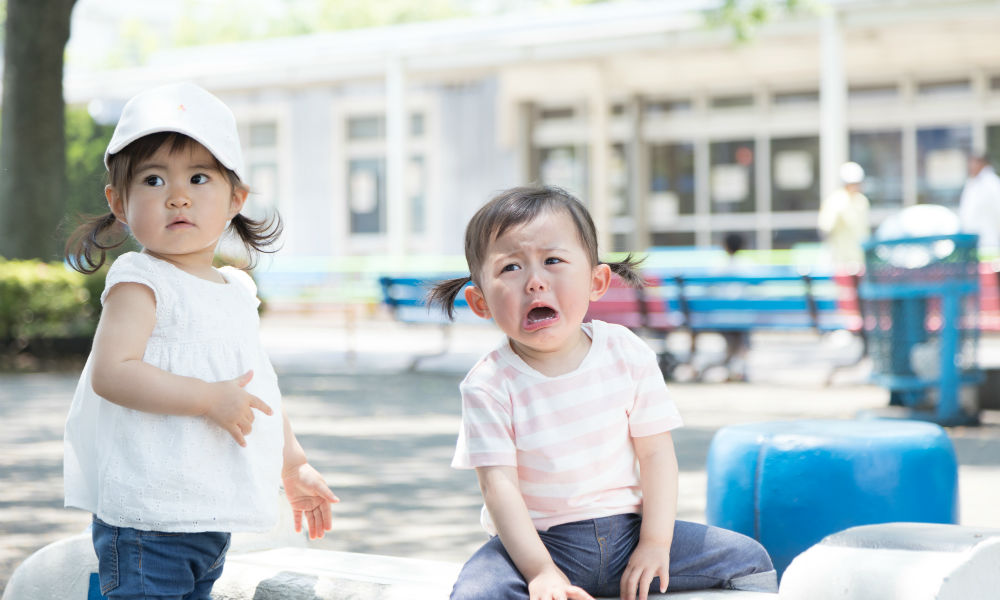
701, 300
766, 299
406, 299
642, 311
694, 300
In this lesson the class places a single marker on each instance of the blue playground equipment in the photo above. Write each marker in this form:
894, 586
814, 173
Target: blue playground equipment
919, 302
788, 484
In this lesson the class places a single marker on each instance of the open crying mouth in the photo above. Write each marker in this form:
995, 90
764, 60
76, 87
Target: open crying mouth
540, 313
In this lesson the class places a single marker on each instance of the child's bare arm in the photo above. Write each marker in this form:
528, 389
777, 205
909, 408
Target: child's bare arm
305, 488
120, 375
658, 476
502, 495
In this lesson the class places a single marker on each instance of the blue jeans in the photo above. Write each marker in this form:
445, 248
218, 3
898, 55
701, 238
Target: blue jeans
136, 564
594, 553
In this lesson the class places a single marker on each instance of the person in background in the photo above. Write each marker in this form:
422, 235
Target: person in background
843, 220
979, 205
737, 341
558, 417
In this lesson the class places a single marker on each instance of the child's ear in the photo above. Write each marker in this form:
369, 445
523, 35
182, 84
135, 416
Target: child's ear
116, 203
240, 194
477, 302
601, 280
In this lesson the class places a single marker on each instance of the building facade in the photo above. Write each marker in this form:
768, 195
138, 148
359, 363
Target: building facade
385, 142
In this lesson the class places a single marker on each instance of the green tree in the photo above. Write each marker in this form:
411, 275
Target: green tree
86, 141
32, 137
744, 17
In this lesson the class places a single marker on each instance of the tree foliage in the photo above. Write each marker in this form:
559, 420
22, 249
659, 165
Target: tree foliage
260, 19
745, 17
86, 141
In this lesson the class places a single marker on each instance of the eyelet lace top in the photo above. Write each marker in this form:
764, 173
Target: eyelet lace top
178, 473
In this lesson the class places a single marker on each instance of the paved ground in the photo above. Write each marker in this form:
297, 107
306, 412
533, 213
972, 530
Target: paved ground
384, 437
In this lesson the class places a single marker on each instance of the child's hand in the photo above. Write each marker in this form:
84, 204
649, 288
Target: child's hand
553, 585
308, 493
231, 407
648, 560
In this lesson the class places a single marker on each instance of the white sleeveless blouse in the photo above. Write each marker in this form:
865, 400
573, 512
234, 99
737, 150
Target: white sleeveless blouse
175, 473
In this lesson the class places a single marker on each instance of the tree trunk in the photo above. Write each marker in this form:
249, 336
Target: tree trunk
32, 136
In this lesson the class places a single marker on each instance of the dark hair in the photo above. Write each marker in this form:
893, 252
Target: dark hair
733, 242
89, 243
513, 207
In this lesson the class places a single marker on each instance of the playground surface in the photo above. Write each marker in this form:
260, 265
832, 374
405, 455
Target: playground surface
383, 436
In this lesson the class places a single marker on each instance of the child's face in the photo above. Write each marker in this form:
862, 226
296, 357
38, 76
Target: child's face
178, 205
536, 282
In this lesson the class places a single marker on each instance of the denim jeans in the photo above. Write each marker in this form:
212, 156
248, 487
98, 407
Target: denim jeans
136, 564
594, 553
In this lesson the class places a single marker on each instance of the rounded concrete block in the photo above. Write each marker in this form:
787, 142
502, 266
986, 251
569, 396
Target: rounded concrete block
898, 561
789, 484
60, 571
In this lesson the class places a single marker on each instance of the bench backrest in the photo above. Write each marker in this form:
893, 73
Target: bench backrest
760, 299
406, 297
637, 309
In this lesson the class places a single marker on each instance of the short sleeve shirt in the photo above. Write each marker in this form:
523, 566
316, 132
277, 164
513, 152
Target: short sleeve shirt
570, 436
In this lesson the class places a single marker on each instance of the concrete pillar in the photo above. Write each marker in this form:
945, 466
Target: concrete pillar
397, 205
637, 159
599, 146
833, 103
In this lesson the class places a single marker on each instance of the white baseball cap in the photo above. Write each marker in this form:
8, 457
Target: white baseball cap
182, 108
851, 172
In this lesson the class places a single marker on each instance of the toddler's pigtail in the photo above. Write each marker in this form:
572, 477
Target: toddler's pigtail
257, 235
628, 270
85, 250
443, 294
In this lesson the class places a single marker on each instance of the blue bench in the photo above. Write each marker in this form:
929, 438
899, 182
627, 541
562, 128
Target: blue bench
694, 299
756, 300
701, 298
406, 298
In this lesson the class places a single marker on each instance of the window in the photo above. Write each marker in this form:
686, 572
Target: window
795, 174
366, 194
263, 135
656, 109
261, 154
366, 173
872, 93
942, 154
950, 87
562, 113
263, 182
800, 98
740, 101
565, 167
416, 125
789, 238
369, 127
672, 238
732, 180
880, 153
618, 182
415, 193
993, 144
671, 184
372, 127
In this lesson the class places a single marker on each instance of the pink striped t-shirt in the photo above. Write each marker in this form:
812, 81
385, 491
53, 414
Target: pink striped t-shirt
569, 436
